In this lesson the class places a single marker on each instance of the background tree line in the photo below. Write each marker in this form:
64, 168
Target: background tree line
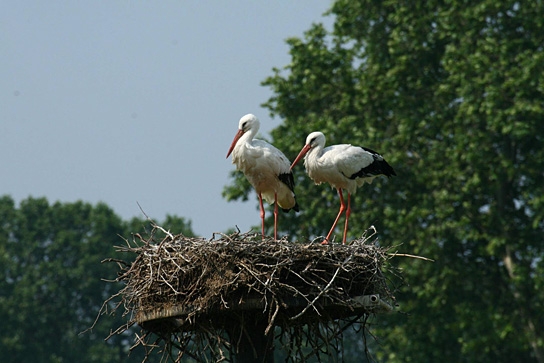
51, 286
452, 94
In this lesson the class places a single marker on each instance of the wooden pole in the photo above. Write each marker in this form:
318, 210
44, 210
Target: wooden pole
250, 344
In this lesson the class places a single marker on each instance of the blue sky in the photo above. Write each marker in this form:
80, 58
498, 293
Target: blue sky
137, 102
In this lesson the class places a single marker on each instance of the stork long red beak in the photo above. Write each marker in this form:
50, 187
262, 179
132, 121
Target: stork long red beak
301, 154
236, 138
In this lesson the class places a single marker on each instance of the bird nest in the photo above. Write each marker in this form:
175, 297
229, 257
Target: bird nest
203, 299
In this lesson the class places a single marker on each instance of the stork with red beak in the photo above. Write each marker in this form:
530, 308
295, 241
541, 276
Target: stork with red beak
343, 167
265, 167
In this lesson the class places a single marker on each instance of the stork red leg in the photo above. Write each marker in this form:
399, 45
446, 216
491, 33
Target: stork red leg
348, 212
262, 213
275, 217
342, 208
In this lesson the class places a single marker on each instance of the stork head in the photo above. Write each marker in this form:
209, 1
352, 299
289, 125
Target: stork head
313, 140
247, 123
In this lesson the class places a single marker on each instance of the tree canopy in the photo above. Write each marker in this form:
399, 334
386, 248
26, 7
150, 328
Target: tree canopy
51, 286
452, 95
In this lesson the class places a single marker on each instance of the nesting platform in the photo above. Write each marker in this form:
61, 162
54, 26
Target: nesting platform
193, 290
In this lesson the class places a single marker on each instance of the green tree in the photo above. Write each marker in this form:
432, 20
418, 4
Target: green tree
51, 286
452, 94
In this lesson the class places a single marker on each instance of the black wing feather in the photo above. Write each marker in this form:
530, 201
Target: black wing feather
378, 167
289, 180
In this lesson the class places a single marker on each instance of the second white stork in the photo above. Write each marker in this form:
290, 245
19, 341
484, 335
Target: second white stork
265, 167
343, 167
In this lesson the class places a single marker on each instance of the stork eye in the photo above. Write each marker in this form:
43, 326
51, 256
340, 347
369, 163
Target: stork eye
244, 125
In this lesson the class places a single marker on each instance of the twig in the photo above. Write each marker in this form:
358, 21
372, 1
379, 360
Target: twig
411, 256
317, 297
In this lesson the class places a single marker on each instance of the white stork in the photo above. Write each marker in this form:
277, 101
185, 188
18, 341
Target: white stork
343, 167
266, 168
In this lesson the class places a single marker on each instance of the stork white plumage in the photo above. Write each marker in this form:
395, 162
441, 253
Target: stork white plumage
265, 167
343, 167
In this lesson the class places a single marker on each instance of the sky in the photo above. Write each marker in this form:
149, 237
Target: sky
137, 102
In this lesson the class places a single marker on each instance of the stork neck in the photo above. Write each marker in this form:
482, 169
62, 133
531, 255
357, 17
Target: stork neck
315, 152
248, 136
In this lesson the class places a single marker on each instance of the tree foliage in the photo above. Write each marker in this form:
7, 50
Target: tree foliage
452, 94
51, 286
